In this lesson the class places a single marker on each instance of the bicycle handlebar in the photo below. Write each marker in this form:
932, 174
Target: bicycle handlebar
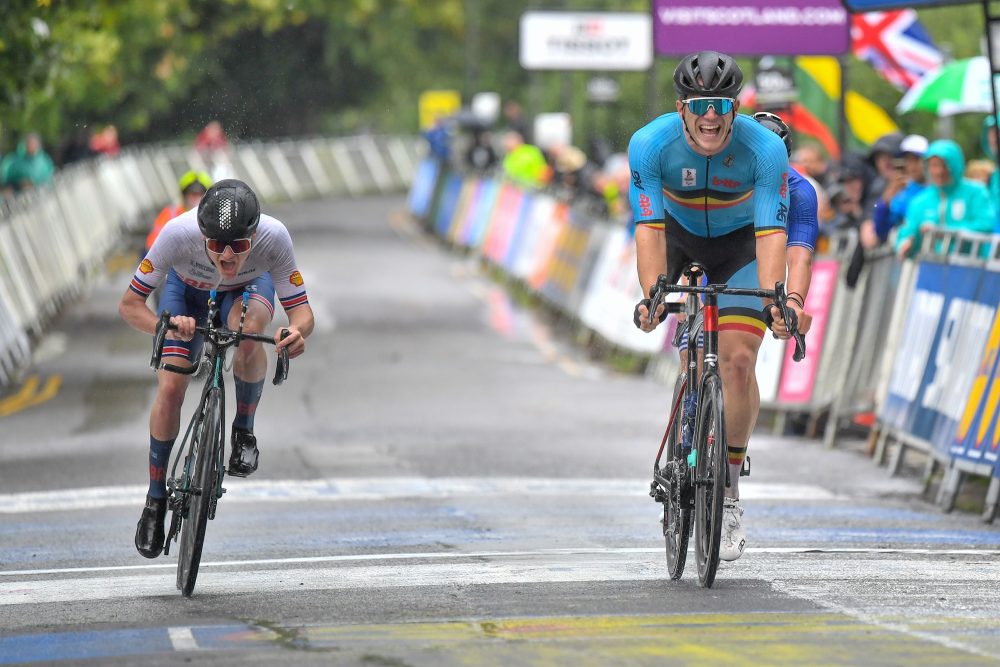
221, 337
663, 287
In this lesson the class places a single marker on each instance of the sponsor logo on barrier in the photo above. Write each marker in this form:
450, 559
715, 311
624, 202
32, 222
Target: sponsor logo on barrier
984, 398
966, 326
146, 266
295, 279
911, 359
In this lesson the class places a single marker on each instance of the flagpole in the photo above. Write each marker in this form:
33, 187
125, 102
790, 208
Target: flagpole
989, 20
842, 104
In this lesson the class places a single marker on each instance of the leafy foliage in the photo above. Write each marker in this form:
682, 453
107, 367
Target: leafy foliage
269, 68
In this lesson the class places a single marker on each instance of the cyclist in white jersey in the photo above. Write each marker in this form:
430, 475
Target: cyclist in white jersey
226, 245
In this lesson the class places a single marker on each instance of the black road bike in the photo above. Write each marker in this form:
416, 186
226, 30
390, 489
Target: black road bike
195, 482
692, 479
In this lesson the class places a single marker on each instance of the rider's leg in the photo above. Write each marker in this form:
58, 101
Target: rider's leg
165, 420
250, 363
737, 364
249, 369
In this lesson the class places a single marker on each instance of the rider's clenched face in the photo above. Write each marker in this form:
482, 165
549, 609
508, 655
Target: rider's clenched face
229, 262
708, 133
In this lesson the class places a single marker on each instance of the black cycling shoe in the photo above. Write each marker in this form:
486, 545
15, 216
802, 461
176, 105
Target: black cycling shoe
149, 532
243, 460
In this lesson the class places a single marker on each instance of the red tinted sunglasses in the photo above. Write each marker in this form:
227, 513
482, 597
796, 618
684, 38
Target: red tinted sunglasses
239, 246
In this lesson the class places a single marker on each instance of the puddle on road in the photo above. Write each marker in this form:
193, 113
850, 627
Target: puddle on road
110, 402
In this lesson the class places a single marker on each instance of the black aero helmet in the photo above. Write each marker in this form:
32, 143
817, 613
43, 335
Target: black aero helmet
708, 74
774, 123
228, 211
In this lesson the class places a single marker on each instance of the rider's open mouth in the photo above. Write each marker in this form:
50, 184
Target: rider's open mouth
710, 129
227, 265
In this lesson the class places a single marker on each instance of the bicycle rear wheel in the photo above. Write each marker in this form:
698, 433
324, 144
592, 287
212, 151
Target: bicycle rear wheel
204, 450
676, 514
710, 479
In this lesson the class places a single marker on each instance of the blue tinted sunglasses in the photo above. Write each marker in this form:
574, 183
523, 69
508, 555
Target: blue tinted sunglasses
699, 106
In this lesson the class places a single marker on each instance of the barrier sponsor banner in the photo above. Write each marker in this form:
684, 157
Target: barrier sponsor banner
761, 27
449, 201
567, 258
798, 379
483, 215
506, 214
518, 233
945, 334
542, 210
977, 436
545, 246
463, 230
422, 191
611, 296
770, 359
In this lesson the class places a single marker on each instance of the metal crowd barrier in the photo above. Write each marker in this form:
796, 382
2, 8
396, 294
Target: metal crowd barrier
583, 267
54, 240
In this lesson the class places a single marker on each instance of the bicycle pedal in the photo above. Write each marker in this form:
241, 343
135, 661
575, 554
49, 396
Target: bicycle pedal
745, 469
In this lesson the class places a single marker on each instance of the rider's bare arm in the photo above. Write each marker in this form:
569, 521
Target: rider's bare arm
651, 261
800, 260
300, 325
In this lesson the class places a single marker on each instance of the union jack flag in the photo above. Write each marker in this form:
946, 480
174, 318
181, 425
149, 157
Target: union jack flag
895, 44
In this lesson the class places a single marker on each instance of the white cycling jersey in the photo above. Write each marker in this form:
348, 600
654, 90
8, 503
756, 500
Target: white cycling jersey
181, 247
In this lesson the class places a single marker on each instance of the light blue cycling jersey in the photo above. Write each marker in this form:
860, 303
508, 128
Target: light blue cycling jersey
745, 183
803, 227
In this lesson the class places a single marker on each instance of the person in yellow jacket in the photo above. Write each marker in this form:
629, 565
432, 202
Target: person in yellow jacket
193, 186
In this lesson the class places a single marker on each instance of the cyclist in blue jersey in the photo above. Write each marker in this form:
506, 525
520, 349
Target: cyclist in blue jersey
802, 226
710, 185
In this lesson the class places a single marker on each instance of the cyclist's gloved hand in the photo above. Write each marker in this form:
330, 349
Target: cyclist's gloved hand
641, 315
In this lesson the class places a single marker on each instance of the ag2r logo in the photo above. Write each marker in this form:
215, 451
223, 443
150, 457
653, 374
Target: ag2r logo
636, 179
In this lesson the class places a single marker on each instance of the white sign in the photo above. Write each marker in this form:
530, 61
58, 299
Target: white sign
586, 41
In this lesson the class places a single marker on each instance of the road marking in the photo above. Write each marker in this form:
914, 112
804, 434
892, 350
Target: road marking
443, 555
182, 639
979, 579
29, 395
383, 488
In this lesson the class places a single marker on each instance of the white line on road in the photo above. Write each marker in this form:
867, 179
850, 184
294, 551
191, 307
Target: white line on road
182, 639
441, 555
382, 488
549, 568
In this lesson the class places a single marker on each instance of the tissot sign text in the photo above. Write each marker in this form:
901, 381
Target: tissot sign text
777, 27
586, 41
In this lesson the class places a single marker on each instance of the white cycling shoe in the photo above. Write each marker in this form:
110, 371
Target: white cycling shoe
734, 538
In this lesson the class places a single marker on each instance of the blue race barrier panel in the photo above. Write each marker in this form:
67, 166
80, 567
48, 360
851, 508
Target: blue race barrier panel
422, 191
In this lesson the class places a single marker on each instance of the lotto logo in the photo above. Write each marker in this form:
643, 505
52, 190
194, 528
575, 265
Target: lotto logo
784, 184
146, 266
645, 205
296, 279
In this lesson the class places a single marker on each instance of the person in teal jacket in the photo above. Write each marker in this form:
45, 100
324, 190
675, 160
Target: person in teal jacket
950, 202
30, 166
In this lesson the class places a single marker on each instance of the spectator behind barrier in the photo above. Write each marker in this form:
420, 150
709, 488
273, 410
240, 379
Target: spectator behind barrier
28, 167
908, 180
193, 185
481, 155
814, 164
515, 120
105, 141
438, 139
524, 163
211, 138
847, 195
980, 170
949, 202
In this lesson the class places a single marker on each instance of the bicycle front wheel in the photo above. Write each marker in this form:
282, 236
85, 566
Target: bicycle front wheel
204, 451
710, 479
676, 514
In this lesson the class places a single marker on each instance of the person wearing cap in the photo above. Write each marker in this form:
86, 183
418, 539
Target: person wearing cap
193, 186
990, 141
949, 201
907, 180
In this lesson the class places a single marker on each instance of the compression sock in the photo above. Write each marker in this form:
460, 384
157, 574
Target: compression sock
247, 397
736, 456
159, 456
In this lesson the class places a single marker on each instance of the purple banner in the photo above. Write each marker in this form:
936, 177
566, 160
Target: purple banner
763, 27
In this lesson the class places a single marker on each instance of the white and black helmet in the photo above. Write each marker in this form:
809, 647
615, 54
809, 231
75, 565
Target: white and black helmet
228, 211
708, 74
773, 122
